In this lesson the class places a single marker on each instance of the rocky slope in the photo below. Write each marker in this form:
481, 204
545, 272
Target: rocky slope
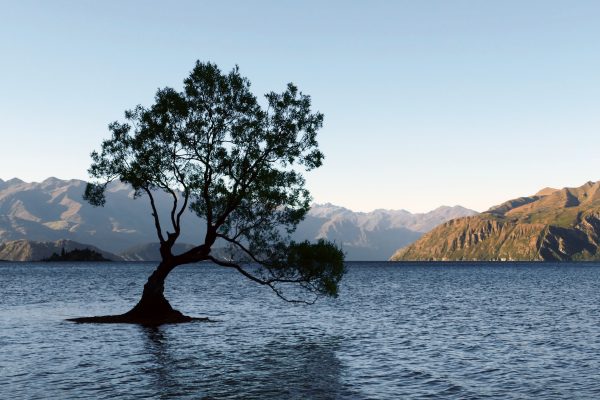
550, 225
27, 250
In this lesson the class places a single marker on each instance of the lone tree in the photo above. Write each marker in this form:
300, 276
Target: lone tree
237, 165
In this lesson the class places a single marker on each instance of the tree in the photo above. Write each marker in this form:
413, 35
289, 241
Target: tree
237, 165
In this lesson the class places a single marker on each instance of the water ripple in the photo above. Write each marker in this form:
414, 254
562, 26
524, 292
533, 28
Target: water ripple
397, 331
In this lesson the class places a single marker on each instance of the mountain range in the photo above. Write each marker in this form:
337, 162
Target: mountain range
552, 225
53, 210
375, 235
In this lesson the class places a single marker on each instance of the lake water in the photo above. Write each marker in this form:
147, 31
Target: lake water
447, 331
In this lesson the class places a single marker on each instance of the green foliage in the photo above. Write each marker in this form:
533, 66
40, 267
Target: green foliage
236, 164
94, 194
321, 263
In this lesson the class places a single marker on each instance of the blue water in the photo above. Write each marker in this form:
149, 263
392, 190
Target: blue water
431, 331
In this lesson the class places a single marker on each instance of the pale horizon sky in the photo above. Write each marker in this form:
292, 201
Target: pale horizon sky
426, 103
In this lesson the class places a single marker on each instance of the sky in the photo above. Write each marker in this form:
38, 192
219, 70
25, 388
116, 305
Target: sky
426, 103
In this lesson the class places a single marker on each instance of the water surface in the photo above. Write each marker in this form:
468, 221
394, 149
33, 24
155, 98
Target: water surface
464, 331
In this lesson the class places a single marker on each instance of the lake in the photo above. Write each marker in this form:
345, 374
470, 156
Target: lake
430, 331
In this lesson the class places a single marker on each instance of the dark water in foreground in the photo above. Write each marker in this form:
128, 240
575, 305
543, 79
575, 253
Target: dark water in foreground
397, 331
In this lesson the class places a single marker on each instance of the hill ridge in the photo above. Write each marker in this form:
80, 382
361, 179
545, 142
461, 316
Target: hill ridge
558, 225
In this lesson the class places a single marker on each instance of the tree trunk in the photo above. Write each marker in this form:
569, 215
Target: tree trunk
152, 309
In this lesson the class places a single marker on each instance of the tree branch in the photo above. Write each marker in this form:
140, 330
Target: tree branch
183, 207
242, 247
239, 269
155, 215
268, 283
173, 211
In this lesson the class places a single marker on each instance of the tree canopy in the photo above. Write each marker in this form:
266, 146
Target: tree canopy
235, 163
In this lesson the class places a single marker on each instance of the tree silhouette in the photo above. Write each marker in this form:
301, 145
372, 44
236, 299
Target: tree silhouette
238, 165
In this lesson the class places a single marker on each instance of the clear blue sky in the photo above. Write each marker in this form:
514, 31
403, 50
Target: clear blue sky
426, 102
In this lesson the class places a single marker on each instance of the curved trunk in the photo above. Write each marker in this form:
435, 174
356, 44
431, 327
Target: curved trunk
153, 308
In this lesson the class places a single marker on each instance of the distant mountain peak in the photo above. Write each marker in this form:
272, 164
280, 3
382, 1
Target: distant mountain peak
51, 179
14, 181
328, 206
546, 191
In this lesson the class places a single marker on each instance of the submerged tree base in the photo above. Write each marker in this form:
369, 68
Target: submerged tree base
174, 317
153, 309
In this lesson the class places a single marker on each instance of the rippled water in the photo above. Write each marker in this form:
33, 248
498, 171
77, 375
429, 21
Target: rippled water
396, 331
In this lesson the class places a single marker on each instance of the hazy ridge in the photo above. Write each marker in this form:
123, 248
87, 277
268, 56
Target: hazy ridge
373, 235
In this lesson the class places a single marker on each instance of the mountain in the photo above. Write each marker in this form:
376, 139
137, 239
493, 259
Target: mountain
374, 235
54, 209
27, 250
550, 225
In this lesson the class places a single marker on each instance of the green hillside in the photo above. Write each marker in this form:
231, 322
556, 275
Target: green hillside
550, 225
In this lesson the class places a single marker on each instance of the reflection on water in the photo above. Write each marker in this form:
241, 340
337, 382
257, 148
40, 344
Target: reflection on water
274, 369
161, 365
397, 331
